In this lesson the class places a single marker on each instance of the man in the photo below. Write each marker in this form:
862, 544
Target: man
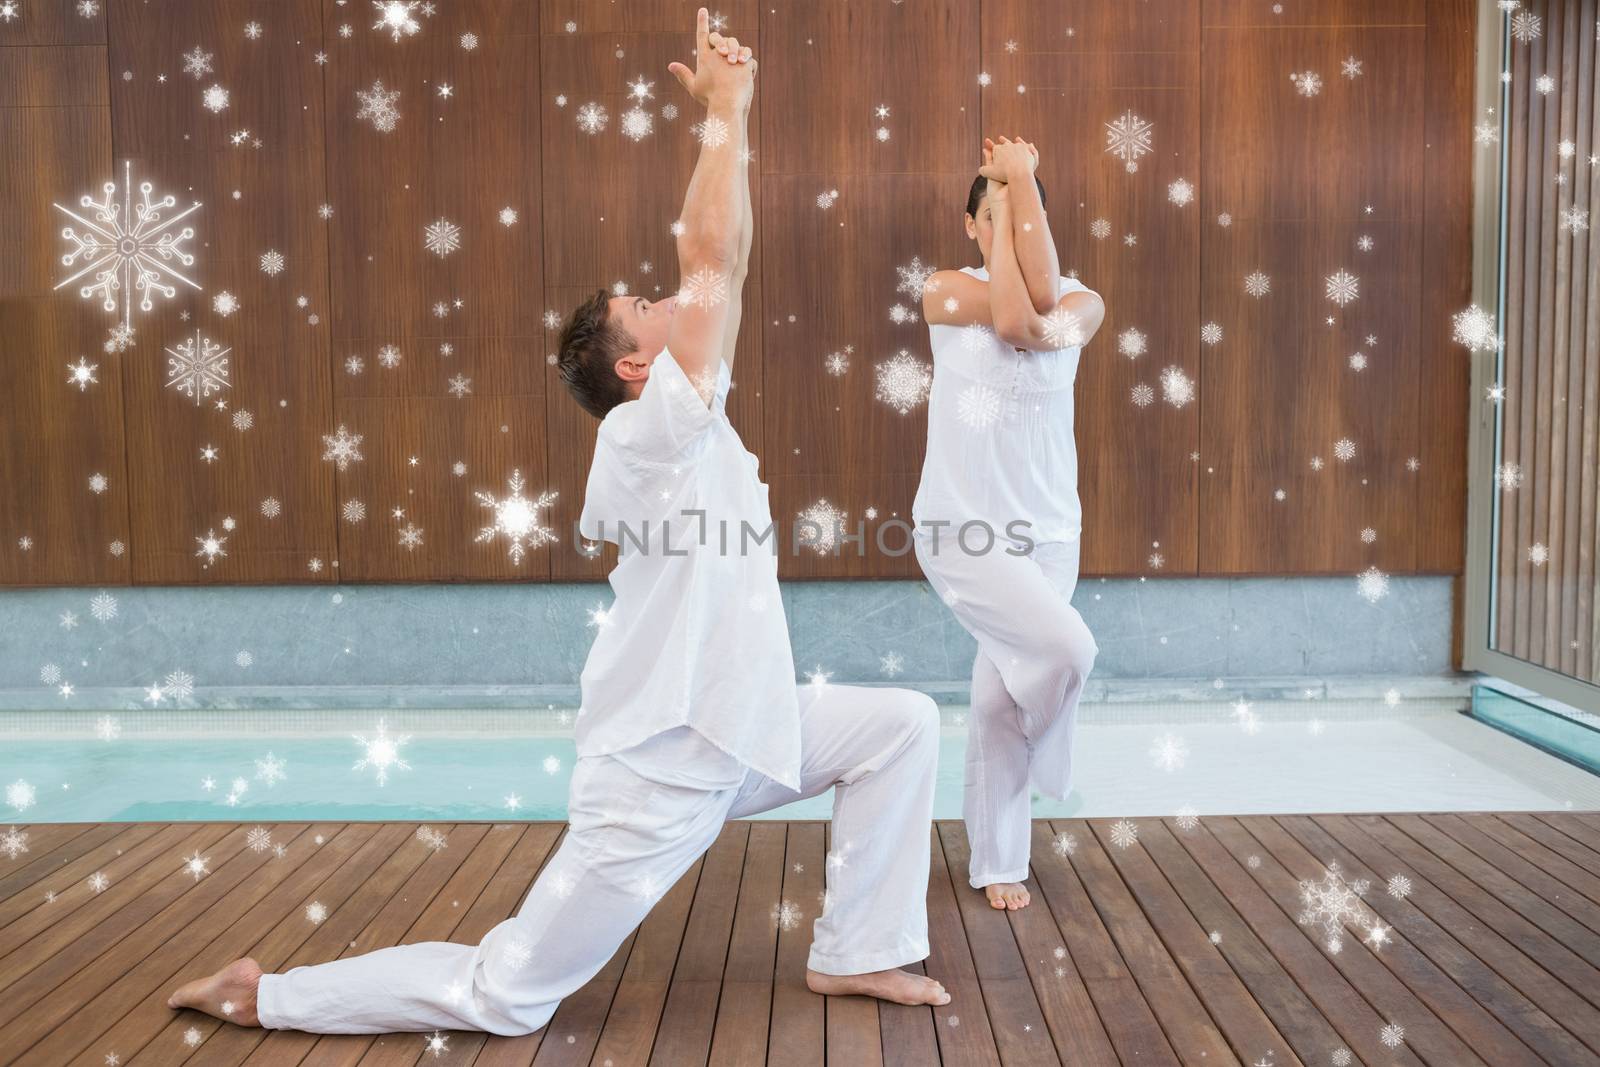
691, 714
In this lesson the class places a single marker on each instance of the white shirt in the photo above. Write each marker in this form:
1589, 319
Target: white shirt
1001, 446
696, 637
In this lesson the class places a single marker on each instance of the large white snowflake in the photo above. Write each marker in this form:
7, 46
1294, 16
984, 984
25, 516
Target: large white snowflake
1330, 903
442, 237
914, 278
704, 288
821, 526
978, 407
128, 246
1475, 328
592, 117
341, 447
903, 381
516, 518
14, 842
381, 753
377, 106
1257, 284
395, 15
1124, 833
1343, 287
197, 62
1062, 329
1128, 138
1169, 752
1177, 388
198, 367
1526, 26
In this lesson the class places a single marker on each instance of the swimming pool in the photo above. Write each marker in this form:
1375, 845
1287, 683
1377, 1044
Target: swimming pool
448, 764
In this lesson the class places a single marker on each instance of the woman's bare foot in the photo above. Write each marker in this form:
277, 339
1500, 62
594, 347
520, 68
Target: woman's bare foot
1007, 896
901, 987
230, 994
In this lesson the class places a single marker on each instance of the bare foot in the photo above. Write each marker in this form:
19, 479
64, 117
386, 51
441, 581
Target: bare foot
230, 994
902, 987
1007, 896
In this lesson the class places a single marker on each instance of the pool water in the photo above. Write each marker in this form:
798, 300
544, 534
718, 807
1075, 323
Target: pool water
449, 765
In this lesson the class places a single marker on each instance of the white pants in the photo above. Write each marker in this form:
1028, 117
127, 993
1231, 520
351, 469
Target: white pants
629, 840
1034, 656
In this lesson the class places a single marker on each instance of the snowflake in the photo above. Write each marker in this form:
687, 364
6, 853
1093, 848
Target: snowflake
198, 367
1124, 833
1100, 229
1340, 1058
252, 30
712, 131
1181, 192
517, 954
382, 752
107, 728
1257, 284
1365, 243
14, 842
517, 518
1351, 68
214, 99
1475, 329
903, 381
978, 407
1372, 584
395, 15
1132, 343
1393, 1035
98, 882
821, 525
891, 664
1062, 329
1187, 818
197, 865
1177, 388
197, 63
353, 511
377, 106
410, 537
271, 508
1330, 904
786, 915
1526, 26
83, 374
430, 837
508, 216
88, 8
269, 769
469, 41
119, 338
837, 363
103, 607
441, 237
637, 124
460, 386
210, 547
129, 247
914, 278
316, 911
1142, 395
437, 1043
1308, 84
389, 356
1211, 333
272, 261
704, 288
592, 117
224, 303
1575, 219
180, 684
1343, 287
341, 447
1486, 133
1128, 138
1344, 450
1169, 752
1064, 844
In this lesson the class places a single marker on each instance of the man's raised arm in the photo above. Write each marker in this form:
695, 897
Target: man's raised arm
710, 238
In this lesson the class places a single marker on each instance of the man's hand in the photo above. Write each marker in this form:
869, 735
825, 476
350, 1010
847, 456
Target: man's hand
723, 68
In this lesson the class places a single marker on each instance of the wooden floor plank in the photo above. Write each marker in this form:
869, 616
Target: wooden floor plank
744, 1011
1357, 1021
1366, 971
1555, 1002
1488, 900
1188, 1025
1296, 1016
1013, 1009
1125, 1014
684, 1036
798, 1016
1128, 949
1413, 954
1241, 1020
965, 1036
128, 986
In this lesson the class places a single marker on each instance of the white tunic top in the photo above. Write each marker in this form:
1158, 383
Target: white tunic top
1000, 439
696, 635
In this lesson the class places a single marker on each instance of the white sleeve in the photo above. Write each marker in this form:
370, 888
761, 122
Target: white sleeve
1073, 285
668, 420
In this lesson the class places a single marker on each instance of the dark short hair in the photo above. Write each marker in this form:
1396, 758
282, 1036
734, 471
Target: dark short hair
980, 185
591, 344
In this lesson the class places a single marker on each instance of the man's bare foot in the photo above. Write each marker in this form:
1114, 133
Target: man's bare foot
230, 994
1007, 896
901, 987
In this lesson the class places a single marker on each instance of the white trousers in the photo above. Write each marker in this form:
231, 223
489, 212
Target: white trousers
1034, 656
629, 839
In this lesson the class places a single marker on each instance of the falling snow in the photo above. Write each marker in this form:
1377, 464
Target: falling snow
1124, 833
1342, 287
516, 518
903, 381
441, 237
381, 752
1257, 284
198, 367
1128, 138
377, 106
341, 447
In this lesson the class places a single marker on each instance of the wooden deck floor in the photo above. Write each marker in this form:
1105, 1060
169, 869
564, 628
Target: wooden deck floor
1184, 946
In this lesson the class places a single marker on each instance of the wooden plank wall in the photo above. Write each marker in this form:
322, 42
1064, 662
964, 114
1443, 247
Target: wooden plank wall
1550, 437
865, 132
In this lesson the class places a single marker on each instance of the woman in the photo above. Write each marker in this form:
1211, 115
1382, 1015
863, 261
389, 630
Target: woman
997, 516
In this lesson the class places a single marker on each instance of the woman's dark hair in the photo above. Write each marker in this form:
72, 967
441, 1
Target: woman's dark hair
981, 186
591, 343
